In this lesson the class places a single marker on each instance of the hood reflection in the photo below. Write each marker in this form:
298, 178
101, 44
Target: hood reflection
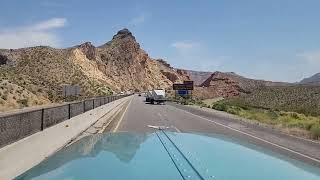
123, 145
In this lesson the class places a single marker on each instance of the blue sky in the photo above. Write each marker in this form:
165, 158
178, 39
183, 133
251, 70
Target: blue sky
275, 40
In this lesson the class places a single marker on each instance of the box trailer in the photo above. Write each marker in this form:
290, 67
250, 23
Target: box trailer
148, 96
158, 96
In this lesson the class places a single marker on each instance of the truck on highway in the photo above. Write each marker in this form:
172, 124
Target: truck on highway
158, 96
148, 96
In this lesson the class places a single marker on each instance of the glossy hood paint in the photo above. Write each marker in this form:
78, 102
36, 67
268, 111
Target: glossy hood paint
167, 156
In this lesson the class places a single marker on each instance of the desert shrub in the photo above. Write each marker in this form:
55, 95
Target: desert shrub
237, 102
315, 131
273, 114
4, 97
23, 102
50, 94
294, 115
220, 106
233, 110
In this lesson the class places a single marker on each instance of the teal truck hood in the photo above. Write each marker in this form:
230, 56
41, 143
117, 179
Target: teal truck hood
167, 156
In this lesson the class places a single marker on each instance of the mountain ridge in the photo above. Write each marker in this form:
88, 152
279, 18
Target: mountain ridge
118, 65
312, 80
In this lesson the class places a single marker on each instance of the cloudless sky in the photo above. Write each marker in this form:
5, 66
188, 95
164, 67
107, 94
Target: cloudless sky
275, 40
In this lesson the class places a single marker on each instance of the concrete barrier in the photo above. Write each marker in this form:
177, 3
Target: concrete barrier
16, 126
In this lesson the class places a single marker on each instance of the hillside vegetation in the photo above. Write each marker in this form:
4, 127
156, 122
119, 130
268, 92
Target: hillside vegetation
301, 99
292, 109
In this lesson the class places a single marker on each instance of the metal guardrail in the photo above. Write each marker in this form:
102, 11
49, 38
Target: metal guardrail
16, 126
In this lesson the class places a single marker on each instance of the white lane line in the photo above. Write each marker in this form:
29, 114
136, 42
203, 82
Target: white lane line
255, 137
120, 120
176, 129
111, 120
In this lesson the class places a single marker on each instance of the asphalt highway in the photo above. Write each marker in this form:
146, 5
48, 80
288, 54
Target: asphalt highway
140, 116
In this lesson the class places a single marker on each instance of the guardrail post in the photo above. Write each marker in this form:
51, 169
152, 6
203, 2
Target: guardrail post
69, 110
93, 103
42, 119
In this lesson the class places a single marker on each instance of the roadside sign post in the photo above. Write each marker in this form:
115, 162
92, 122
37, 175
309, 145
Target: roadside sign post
183, 89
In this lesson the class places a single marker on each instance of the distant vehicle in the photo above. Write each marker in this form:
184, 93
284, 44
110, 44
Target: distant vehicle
158, 96
148, 96
139, 94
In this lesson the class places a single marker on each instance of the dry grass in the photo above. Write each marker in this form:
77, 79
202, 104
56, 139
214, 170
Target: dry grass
301, 99
291, 122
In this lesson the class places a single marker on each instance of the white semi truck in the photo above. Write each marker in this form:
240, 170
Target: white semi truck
148, 96
158, 96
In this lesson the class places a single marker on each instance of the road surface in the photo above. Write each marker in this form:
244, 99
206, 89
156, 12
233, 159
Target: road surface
138, 115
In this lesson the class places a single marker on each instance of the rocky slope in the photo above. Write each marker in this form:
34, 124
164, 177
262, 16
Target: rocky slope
221, 84
313, 80
197, 76
118, 65
229, 84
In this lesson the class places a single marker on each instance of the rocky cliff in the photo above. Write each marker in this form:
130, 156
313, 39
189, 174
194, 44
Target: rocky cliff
221, 84
229, 84
118, 65
197, 76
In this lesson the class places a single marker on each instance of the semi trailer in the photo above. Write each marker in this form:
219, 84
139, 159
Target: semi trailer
158, 96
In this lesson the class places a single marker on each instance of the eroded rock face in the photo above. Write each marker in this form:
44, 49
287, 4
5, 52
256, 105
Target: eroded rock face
230, 84
89, 50
3, 59
130, 67
123, 34
197, 76
171, 76
118, 65
165, 63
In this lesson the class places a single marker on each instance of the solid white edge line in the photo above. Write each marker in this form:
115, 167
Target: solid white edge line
279, 146
111, 120
239, 118
121, 118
